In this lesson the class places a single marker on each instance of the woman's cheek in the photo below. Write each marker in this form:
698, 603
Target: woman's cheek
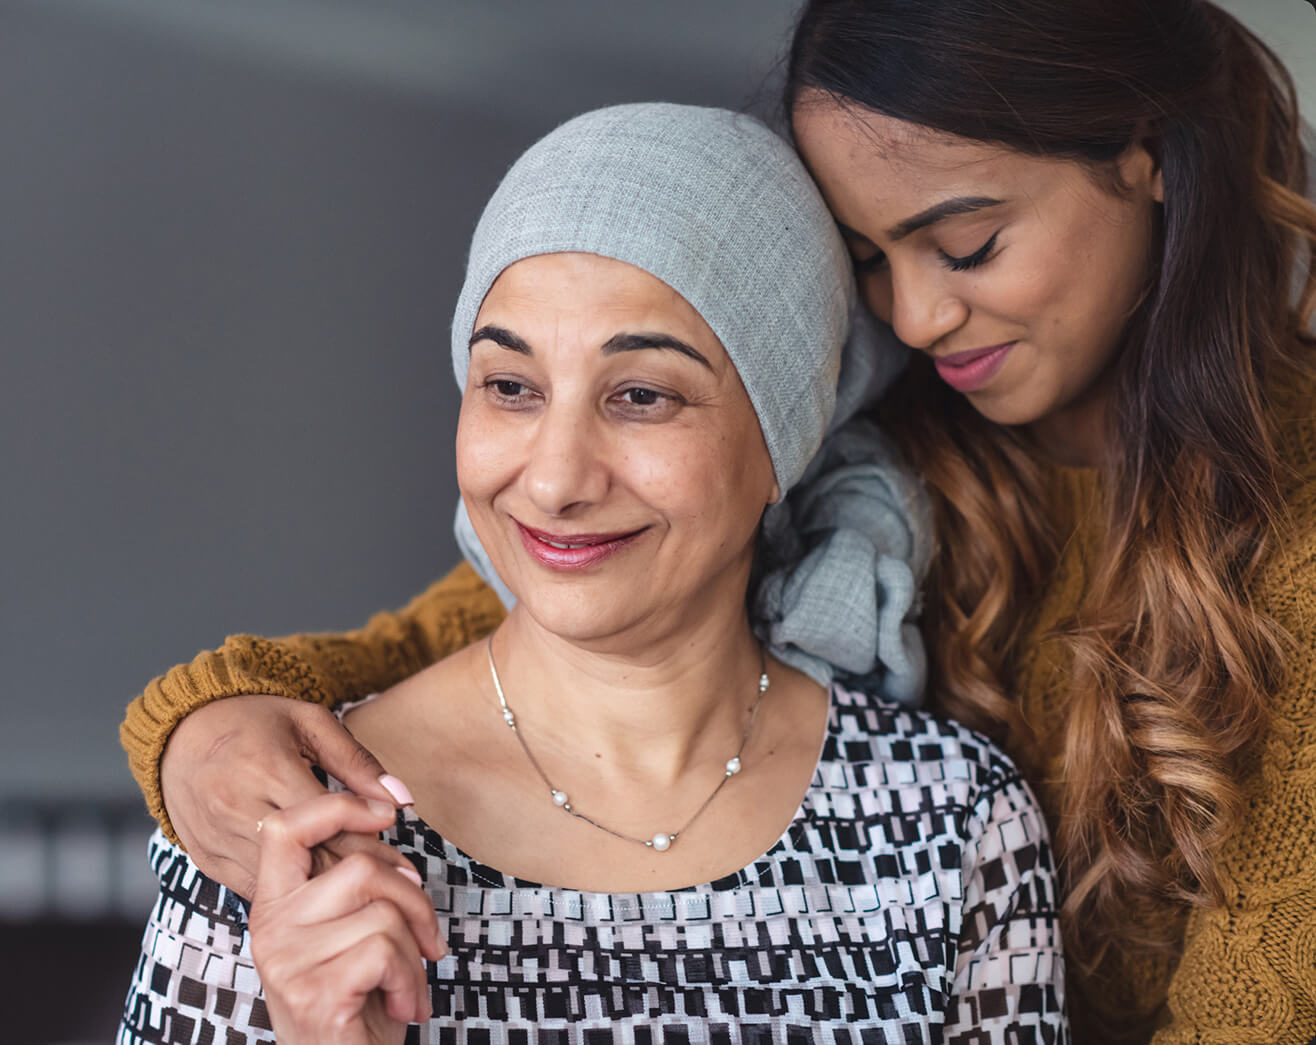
481, 448
668, 467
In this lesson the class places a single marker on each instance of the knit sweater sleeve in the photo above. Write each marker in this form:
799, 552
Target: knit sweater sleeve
324, 668
1248, 970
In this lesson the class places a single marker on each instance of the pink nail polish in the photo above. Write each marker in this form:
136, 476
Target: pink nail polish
411, 873
395, 787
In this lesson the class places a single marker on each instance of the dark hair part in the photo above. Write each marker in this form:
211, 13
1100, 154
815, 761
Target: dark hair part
1173, 664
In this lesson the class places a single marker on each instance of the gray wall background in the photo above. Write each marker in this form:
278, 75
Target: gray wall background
233, 234
230, 238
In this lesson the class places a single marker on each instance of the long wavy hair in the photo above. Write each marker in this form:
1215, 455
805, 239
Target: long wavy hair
1172, 660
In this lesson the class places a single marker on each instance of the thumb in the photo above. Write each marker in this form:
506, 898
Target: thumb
331, 747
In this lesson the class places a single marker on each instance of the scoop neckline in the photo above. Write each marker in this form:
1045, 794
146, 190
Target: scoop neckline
431, 840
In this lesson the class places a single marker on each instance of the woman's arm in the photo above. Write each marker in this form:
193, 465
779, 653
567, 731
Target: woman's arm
226, 769
1248, 970
1009, 977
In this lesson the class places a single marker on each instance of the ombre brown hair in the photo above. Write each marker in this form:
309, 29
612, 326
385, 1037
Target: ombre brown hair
1172, 663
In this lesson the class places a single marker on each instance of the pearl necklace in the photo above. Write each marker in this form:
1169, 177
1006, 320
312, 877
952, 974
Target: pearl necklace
663, 840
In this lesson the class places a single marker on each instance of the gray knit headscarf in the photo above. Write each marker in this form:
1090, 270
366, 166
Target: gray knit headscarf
720, 209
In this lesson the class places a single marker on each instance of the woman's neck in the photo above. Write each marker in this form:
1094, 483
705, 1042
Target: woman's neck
650, 711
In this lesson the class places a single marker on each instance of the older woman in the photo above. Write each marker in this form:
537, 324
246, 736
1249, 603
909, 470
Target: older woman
642, 812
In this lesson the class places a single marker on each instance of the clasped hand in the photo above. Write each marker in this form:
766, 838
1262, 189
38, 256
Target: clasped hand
338, 922
340, 953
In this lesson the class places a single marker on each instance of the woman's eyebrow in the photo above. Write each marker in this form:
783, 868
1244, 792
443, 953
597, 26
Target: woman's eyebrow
500, 336
938, 211
635, 342
616, 343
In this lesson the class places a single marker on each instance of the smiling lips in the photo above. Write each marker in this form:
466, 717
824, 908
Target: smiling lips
969, 371
573, 551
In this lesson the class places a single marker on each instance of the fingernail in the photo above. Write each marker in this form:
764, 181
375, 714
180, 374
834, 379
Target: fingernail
410, 872
380, 808
395, 787
443, 947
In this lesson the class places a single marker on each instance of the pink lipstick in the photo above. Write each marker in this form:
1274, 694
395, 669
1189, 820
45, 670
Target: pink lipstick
572, 551
971, 370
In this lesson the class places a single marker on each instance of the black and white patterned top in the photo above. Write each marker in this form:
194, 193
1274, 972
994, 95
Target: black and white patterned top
911, 900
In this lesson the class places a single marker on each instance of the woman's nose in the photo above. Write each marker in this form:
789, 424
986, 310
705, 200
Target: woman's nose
924, 310
566, 467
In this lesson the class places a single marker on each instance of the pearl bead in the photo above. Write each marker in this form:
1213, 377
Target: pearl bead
662, 842
559, 798
733, 766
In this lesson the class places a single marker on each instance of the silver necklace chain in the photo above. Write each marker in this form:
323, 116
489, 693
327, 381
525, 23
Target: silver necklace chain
663, 840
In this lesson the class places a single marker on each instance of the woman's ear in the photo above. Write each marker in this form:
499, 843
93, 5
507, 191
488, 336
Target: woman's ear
1140, 167
1158, 181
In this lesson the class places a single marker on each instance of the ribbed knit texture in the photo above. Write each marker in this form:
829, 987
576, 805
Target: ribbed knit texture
1247, 972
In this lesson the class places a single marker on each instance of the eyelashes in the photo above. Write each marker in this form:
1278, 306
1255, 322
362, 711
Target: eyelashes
956, 264
971, 261
636, 401
870, 264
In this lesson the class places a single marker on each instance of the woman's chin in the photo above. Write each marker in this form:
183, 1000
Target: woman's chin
579, 616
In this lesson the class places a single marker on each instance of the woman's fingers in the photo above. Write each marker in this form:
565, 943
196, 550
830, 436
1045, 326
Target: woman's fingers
325, 742
398, 973
328, 854
361, 880
341, 846
328, 969
289, 835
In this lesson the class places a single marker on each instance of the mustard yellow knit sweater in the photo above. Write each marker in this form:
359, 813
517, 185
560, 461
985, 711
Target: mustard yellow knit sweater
1246, 972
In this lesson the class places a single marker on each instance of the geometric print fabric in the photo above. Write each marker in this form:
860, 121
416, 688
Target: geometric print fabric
911, 900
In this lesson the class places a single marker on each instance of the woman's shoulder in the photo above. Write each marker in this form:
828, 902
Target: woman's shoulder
417, 697
913, 745
935, 794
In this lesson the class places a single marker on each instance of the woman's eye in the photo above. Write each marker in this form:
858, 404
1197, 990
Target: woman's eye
647, 404
642, 397
970, 261
871, 263
506, 390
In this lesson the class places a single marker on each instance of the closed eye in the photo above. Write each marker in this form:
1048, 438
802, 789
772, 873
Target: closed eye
871, 263
970, 261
